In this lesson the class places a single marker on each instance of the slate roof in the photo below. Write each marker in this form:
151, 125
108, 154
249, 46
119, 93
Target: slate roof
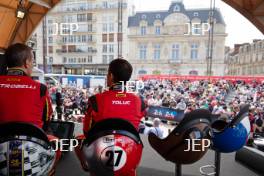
151, 16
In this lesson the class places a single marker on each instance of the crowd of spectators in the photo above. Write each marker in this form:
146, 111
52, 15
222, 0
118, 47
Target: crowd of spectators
70, 100
186, 95
220, 97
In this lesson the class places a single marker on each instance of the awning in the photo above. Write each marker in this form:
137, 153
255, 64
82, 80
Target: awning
12, 29
72, 66
253, 10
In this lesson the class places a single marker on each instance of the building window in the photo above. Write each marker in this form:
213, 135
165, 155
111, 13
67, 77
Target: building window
79, 39
143, 17
104, 27
143, 51
50, 30
197, 29
157, 31
194, 51
64, 39
90, 28
71, 48
111, 48
50, 60
104, 49
157, 51
64, 48
105, 59
120, 37
50, 39
143, 30
104, 37
81, 17
105, 4
175, 52
64, 60
89, 38
111, 27
158, 16
176, 8
84, 39
89, 16
50, 49
111, 37
90, 59
196, 14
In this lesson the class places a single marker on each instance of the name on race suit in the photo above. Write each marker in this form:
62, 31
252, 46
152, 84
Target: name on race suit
17, 86
119, 102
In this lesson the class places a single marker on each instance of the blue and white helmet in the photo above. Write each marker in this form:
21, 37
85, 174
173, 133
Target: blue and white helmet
230, 137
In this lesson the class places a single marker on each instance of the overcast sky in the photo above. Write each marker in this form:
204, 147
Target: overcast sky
238, 28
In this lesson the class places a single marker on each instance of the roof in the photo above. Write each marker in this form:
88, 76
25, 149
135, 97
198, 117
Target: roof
14, 30
151, 16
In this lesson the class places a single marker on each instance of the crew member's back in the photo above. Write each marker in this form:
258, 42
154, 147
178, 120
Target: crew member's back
117, 104
22, 99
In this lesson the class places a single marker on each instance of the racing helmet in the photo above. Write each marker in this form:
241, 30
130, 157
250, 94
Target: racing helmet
232, 136
25, 150
112, 147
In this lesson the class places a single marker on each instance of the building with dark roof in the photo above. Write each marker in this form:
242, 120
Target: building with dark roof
175, 41
246, 59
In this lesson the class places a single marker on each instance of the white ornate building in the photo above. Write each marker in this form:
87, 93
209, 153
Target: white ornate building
162, 42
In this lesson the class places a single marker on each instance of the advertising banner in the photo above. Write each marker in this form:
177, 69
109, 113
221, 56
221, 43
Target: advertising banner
165, 113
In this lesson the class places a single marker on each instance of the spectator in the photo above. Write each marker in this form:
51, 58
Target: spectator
156, 128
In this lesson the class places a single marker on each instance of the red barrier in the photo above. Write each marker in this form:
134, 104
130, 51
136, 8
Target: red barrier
197, 78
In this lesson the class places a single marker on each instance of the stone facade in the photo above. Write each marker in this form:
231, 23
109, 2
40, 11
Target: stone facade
246, 59
88, 49
175, 41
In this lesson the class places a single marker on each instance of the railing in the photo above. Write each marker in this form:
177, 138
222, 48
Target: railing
59, 51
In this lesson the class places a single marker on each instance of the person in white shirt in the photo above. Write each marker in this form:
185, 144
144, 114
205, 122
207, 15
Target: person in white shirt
181, 105
156, 128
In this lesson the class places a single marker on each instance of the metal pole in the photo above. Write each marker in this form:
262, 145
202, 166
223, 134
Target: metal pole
217, 163
210, 39
120, 28
44, 39
178, 170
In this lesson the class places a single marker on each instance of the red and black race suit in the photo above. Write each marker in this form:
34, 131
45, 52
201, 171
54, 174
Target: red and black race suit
114, 104
24, 100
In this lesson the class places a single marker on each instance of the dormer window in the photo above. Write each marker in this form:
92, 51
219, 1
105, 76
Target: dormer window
176, 8
196, 14
158, 16
143, 17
